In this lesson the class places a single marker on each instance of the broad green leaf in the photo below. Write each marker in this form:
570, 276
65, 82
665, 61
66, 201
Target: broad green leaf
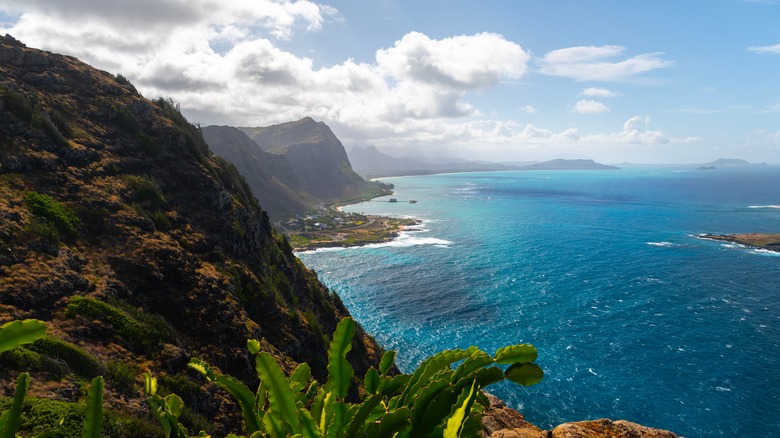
421, 403
203, 368
281, 397
525, 374
387, 361
174, 405
391, 385
253, 345
429, 368
390, 424
273, 425
371, 380
93, 423
473, 424
13, 417
456, 420
150, 384
488, 376
299, 378
359, 420
308, 426
439, 409
16, 333
339, 369
245, 399
523, 353
472, 363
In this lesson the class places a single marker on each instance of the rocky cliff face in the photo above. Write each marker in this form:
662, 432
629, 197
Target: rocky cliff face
320, 167
137, 245
265, 173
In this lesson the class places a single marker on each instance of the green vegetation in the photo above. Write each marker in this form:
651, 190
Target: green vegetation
78, 360
48, 211
436, 400
17, 103
141, 330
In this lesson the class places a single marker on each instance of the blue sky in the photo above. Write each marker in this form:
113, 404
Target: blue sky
614, 81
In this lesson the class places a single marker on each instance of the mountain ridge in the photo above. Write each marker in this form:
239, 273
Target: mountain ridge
295, 167
166, 238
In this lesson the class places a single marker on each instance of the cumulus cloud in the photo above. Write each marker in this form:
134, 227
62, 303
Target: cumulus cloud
279, 17
224, 65
599, 92
593, 63
461, 62
766, 49
588, 106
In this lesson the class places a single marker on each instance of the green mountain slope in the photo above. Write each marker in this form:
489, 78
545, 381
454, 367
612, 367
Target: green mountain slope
138, 246
318, 166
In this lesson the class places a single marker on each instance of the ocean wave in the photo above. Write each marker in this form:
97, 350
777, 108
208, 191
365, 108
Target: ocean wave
764, 206
661, 244
406, 240
765, 252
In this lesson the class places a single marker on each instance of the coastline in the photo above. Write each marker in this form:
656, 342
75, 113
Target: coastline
765, 241
376, 229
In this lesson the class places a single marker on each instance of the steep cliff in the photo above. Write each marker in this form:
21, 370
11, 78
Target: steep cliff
320, 167
137, 245
265, 173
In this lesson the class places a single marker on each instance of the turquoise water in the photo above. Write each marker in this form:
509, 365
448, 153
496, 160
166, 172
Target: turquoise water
634, 317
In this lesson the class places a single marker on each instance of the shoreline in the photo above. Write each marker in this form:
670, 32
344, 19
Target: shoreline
377, 229
765, 241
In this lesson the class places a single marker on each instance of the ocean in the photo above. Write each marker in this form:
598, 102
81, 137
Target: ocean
634, 316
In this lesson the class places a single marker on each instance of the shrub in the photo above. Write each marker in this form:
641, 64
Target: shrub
145, 189
78, 360
23, 359
45, 208
140, 329
17, 103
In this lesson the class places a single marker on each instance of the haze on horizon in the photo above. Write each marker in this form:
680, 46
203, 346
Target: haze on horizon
684, 82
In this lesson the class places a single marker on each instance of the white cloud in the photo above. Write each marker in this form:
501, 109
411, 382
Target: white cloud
132, 19
590, 63
588, 106
528, 109
599, 92
766, 49
461, 62
224, 66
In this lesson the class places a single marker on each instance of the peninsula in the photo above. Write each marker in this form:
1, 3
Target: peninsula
769, 242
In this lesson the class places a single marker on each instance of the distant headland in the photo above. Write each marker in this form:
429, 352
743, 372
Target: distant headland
770, 242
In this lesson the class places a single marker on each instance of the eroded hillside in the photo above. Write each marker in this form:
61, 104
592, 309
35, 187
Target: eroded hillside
137, 245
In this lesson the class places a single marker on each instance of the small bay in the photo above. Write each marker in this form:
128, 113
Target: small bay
634, 316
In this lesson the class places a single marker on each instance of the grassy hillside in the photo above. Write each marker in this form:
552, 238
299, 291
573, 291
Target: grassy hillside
138, 246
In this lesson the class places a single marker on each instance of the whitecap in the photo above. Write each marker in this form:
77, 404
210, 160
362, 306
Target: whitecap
722, 389
764, 206
765, 252
661, 244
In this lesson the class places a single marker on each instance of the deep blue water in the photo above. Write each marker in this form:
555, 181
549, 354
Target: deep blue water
634, 317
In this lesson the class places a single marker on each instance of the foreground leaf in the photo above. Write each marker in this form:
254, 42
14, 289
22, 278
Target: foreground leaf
93, 423
16, 333
13, 417
526, 374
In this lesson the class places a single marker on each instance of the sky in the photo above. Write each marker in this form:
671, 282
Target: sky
507, 80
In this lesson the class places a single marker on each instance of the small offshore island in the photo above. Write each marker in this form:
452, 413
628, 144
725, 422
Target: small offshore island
769, 242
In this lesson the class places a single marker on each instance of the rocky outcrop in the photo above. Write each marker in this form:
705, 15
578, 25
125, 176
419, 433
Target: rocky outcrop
605, 428
502, 422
